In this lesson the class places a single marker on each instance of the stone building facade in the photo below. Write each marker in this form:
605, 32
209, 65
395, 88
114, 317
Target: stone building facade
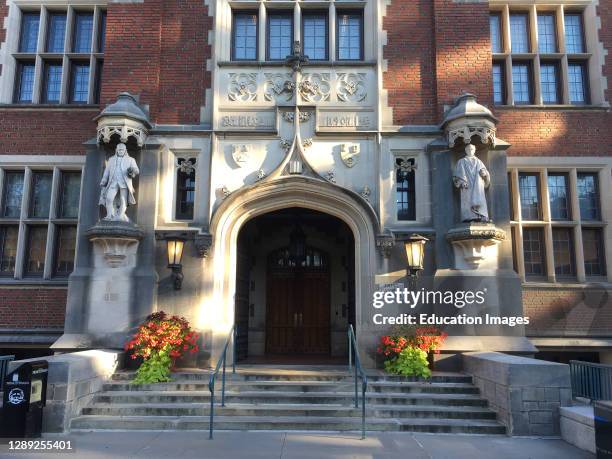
330, 128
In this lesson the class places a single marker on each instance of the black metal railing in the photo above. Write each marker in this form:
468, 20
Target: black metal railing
221, 365
4, 363
359, 373
591, 380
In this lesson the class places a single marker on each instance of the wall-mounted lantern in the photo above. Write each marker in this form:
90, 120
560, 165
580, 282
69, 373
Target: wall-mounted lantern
175, 254
415, 252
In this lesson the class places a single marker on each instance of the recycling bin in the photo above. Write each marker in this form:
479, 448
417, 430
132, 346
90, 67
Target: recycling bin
25, 395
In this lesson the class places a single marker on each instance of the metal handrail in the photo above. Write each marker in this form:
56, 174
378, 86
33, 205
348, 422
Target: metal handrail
352, 345
4, 363
211, 383
591, 380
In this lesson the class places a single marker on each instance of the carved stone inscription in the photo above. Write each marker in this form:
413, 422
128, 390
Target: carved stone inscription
350, 121
248, 121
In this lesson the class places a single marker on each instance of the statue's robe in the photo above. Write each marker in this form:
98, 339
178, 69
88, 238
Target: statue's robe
473, 200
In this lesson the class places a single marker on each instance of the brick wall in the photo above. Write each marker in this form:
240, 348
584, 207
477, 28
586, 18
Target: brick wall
31, 307
46, 131
568, 311
158, 51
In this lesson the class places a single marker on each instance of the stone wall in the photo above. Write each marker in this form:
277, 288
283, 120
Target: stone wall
73, 381
525, 393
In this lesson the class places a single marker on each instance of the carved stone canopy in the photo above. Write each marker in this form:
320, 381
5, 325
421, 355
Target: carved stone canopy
467, 118
125, 118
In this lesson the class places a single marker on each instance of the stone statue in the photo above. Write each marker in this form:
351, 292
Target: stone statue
471, 177
117, 189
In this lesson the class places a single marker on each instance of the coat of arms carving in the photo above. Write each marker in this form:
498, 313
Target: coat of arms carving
349, 154
240, 154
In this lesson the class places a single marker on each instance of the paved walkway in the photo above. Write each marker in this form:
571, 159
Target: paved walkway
267, 445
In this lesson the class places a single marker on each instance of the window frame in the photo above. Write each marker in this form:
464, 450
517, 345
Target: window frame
10, 77
314, 12
282, 13
237, 12
588, 58
349, 11
572, 167
558, 81
24, 221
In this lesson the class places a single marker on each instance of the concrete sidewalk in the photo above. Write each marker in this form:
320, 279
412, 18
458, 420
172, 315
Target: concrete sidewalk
267, 445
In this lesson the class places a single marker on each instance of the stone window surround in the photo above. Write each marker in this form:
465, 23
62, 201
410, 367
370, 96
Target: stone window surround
594, 56
224, 24
422, 184
30, 164
168, 188
571, 166
9, 54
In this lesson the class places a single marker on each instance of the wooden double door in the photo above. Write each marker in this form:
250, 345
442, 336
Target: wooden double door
298, 306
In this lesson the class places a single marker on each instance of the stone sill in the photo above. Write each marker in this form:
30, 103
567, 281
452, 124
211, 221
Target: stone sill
553, 107
50, 107
571, 285
282, 63
34, 282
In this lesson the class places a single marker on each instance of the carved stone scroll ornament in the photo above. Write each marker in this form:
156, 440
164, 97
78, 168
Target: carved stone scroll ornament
203, 244
290, 116
486, 135
278, 87
331, 176
351, 87
385, 244
261, 174
285, 144
365, 193
315, 87
242, 87
349, 154
186, 166
307, 142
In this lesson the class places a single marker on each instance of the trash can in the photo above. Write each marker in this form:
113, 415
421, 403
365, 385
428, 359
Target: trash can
603, 429
25, 395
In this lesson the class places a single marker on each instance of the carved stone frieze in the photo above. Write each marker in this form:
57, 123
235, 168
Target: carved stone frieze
278, 87
124, 132
486, 135
315, 87
351, 87
242, 87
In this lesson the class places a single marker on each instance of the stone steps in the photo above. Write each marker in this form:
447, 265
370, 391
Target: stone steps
291, 400
301, 386
292, 423
306, 410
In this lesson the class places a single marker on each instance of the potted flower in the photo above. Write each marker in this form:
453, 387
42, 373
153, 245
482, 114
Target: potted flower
429, 340
160, 340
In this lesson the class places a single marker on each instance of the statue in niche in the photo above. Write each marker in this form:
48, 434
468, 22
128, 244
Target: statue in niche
472, 177
117, 189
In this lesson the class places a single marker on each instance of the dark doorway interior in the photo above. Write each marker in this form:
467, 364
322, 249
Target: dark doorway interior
294, 287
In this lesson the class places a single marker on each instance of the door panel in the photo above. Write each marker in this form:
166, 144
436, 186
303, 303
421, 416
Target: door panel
298, 311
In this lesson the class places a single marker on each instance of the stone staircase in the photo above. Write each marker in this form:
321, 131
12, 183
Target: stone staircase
291, 399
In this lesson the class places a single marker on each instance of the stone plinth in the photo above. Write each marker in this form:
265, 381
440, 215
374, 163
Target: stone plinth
475, 245
115, 246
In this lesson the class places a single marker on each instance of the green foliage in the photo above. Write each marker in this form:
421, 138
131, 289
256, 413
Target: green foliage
154, 369
411, 361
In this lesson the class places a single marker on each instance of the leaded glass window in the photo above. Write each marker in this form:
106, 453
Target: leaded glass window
12, 194
533, 252
83, 31
521, 83
530, 196
588, 196
28, 39
40, 200
559, 196
350, 40
405, 188
574, 38
519, 33
56, 32
244, 46
547, 38
549, 83
280, 35
314, 32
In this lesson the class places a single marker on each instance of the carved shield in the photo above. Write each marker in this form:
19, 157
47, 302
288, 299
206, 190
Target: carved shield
240, 154
349, 154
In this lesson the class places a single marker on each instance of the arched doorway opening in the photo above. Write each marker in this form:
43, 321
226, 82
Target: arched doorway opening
295, 287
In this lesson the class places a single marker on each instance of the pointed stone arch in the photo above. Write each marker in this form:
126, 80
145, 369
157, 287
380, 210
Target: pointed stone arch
287, 192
